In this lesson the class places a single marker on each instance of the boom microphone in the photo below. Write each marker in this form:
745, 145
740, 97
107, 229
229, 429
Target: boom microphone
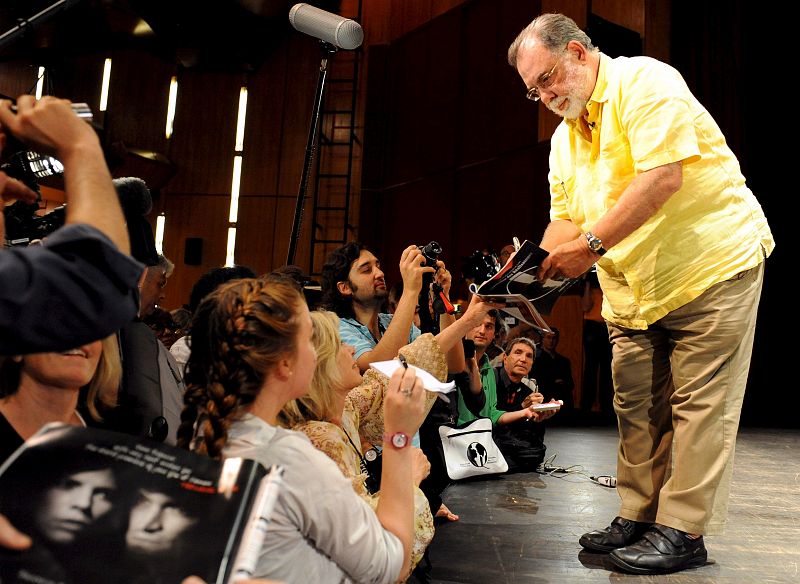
339, 31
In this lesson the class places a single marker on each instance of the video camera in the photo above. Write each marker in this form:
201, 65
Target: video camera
23, 223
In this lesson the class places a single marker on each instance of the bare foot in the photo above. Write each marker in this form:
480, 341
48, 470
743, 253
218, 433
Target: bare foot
446, 513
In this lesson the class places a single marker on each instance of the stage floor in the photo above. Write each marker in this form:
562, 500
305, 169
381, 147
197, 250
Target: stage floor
524, 528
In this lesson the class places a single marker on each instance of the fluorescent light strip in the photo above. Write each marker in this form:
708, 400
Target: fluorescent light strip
237, 174
160, 224
229, 263
173, 98
241, 120
104, 87
40, 82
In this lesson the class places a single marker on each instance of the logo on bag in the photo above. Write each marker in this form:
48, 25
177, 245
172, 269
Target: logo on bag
477, 455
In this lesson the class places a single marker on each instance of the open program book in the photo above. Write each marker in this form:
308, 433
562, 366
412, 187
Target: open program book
516, 286
107, 507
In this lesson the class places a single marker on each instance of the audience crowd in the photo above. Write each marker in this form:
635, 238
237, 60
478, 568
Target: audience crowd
245, 368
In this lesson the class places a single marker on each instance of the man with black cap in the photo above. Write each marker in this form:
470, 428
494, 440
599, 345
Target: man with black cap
151, 394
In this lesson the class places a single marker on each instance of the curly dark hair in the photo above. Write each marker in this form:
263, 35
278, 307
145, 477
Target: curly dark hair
336, 269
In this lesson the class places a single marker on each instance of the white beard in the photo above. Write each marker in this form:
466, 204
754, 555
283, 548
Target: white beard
575, 106
576, 103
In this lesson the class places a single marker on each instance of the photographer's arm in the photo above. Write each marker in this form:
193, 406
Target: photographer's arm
455, 355
396, 335
475, 385
450, 338
51, 127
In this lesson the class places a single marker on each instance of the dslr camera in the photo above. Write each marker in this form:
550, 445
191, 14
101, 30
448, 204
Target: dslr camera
431, 253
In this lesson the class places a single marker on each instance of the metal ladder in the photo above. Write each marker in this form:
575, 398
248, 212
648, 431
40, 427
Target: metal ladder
338, 160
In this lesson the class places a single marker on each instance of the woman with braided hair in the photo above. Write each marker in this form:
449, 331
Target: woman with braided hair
252, 353
343, 408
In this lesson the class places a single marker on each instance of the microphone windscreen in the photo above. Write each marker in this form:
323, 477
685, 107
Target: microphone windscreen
134, 196
331, 28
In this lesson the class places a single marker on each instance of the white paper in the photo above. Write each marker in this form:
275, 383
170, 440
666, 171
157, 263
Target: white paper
429, 382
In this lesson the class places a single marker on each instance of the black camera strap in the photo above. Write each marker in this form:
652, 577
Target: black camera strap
363, 461
358, 452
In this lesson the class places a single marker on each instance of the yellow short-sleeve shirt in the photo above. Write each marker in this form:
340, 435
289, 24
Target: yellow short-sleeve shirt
642, 115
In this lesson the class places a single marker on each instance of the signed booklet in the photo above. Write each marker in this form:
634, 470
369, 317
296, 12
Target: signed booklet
107, 507
516, 286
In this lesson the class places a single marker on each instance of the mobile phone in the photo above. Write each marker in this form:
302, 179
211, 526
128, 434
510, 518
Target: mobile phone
469, 348
546, 407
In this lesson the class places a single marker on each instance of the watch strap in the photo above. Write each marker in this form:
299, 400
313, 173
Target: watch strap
595, 243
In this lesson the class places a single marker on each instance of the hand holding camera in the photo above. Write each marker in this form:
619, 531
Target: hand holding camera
413, 266
56, 127
51, 125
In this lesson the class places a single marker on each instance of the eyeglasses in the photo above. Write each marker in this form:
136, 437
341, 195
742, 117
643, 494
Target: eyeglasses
545, 81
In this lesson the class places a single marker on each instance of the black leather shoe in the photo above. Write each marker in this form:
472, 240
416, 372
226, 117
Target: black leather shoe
660, 551
620, 533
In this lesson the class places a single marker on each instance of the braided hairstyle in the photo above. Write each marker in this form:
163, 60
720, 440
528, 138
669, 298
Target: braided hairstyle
239, 332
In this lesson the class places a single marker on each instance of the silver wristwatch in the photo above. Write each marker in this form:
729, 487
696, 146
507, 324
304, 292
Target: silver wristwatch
595, 243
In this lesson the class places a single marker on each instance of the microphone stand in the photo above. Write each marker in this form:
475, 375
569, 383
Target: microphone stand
25, 24
328, 50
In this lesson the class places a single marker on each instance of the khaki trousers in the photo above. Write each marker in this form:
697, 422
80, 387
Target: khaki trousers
679, 387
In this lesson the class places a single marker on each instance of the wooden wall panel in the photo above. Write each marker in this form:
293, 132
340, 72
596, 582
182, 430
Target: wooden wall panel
137, 100
193, 215
439, 7
423, 75
479, 81
657, 30
79, 82
202, 144
517, 119
300, 84
18, 78
261, 165
627, 13
376, 21
257, 232
408, 15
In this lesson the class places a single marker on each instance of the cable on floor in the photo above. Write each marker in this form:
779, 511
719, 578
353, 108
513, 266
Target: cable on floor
549, 468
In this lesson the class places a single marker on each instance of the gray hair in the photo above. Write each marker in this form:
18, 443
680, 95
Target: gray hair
521, 341
166, 264
553, 31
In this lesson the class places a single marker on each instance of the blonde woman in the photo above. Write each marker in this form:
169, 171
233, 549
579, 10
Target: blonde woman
40, 388
342, 407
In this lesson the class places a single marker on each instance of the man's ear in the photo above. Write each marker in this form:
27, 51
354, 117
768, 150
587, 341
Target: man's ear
344, 288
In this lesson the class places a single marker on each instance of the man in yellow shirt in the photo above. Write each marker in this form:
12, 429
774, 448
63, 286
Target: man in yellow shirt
643, 184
